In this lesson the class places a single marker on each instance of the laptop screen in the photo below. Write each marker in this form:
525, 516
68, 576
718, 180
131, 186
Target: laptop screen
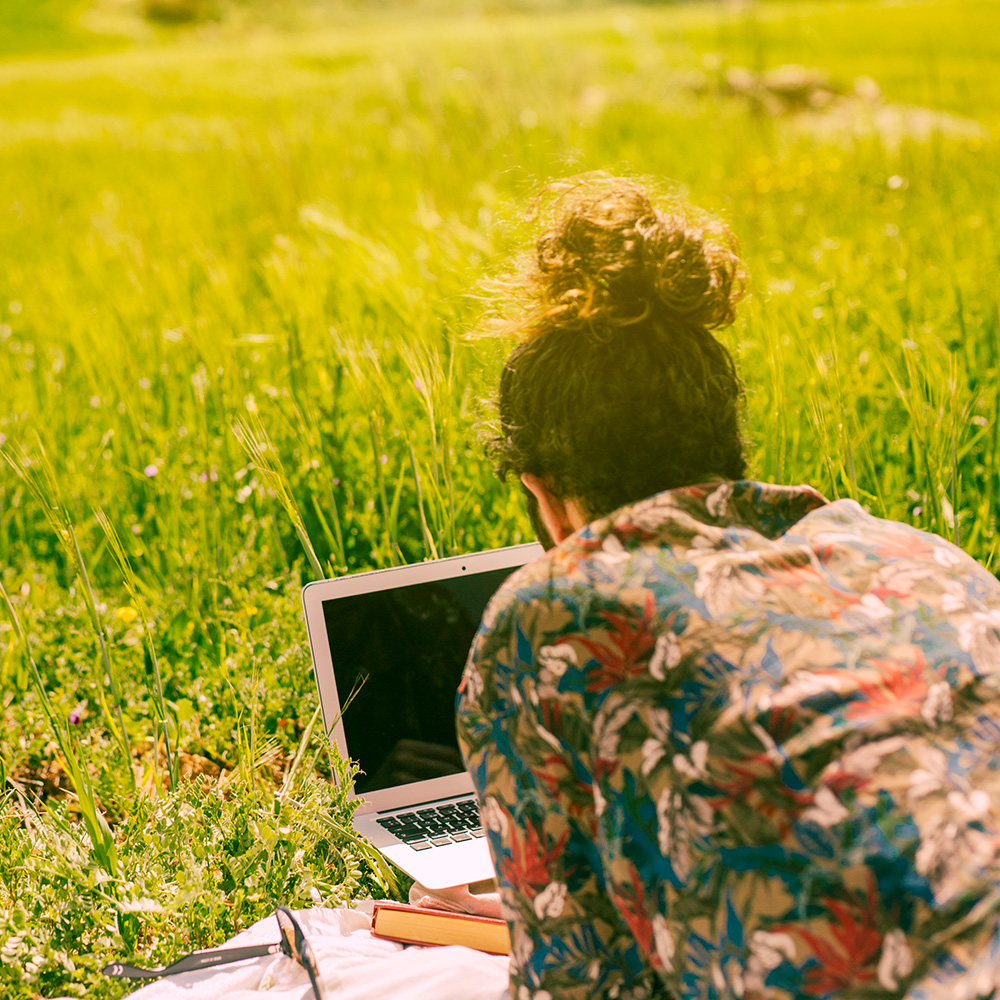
401, 652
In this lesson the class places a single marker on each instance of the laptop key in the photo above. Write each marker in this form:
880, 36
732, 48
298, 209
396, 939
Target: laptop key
440, 841
460, 836
477, 833
420, 845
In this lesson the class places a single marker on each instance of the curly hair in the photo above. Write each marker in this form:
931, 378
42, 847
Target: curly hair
617, 388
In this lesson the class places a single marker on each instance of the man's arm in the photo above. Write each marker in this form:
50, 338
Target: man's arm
526, 744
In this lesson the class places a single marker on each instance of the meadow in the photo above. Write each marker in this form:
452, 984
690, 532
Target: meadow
240, 269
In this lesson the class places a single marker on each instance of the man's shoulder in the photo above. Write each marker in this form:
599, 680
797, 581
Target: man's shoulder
610, 550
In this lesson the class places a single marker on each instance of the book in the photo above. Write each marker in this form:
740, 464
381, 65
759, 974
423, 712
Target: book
417, 925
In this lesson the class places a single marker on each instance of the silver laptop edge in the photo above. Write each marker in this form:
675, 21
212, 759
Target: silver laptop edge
467, 859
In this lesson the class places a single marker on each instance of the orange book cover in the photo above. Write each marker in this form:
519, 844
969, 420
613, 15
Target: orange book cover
418, 925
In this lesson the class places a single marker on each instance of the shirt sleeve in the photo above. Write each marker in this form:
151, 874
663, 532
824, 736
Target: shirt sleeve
526, 740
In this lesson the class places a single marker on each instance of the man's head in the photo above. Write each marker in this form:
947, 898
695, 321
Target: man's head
617, 388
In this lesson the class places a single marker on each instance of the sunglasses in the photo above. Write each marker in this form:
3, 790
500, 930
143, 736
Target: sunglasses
293, 944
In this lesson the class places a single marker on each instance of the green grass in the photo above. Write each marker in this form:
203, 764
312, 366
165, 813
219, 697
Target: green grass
32, 27
235, 282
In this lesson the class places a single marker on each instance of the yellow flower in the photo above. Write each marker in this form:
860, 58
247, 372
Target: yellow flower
128, 614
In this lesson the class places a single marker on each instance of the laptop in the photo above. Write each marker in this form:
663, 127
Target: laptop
388, 650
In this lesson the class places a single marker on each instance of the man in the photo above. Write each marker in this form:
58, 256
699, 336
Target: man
730, 739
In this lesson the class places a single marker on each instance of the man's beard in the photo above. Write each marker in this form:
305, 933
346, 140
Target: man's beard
542, 533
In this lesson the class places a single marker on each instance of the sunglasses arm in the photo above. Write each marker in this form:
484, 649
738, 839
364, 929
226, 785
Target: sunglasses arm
190, 963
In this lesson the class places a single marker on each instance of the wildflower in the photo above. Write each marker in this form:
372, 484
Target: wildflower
151, 470
127, 614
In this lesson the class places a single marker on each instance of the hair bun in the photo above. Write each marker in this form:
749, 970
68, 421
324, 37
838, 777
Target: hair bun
609, 258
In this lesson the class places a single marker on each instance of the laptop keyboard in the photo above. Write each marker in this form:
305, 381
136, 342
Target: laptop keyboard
435, 826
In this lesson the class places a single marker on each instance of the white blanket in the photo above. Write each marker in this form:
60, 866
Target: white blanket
353, 966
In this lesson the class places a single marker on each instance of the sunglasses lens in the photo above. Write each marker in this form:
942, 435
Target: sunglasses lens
294, 945
288, 936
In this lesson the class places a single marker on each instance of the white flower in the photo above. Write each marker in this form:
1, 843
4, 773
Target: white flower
607, 731
718, 979
693, 767
948, 555
550, 738
717, 502
524, 993
897, 960
652, 752
675, 830
805, 684
556, 659
863, 761
655, 746
612, 551
768, 949
701, 822
666, 654
522, 953
664, 830
826, 810
771, 948
600, 803
931, 776
727, 581
663, 942
972, 807
979, 636
950, 850
473, 683
937, 705
874, 607
955, 597
651, 513
493, 817
551, 900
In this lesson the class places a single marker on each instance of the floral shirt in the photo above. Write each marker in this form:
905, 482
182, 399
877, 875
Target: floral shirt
737, 741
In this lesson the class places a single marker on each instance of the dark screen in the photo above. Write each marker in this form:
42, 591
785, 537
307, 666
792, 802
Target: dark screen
406, 648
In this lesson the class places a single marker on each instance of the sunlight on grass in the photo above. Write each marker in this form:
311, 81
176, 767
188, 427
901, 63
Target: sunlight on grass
238, 272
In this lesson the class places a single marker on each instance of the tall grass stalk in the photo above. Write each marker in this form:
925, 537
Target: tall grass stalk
145, 619
252, 436
36, 474
101, 838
